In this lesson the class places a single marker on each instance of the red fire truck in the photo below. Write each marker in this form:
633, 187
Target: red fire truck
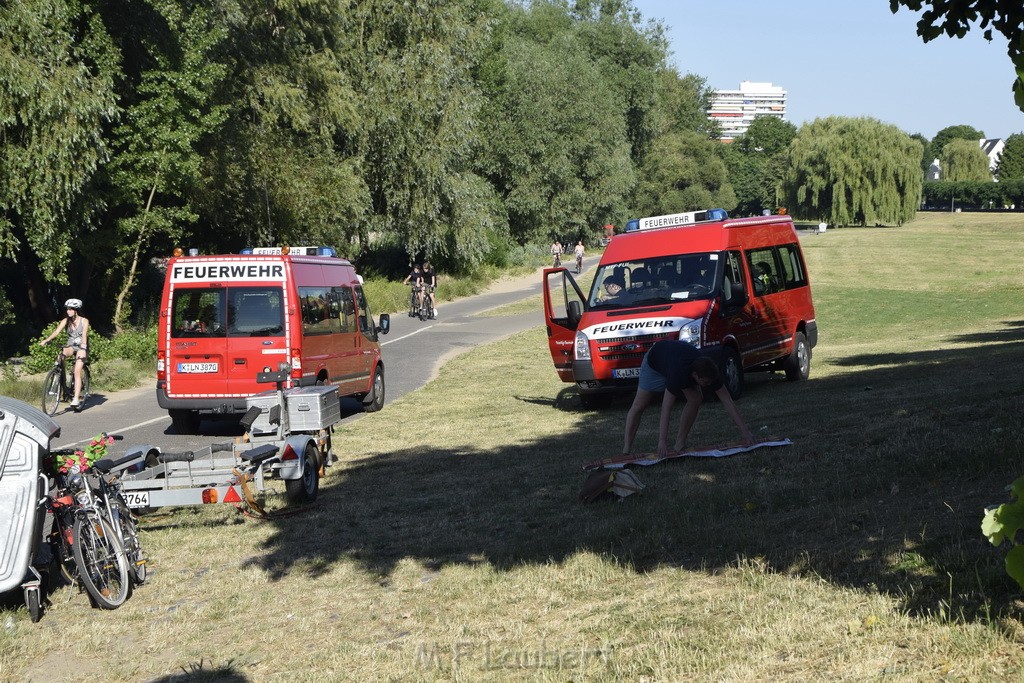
737, 287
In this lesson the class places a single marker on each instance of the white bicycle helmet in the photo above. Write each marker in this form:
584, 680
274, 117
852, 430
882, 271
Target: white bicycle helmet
73, 303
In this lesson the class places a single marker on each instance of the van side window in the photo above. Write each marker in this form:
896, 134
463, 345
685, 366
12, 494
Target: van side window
764, 271
316, 310
255, 312
792, 267
346, 315
365, 319
733, 282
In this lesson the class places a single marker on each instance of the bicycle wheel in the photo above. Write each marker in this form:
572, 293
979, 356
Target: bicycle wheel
102, 566
132, 545
51, 391
86, 380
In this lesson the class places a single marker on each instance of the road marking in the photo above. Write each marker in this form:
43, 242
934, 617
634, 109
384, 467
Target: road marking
390, 341
113, 431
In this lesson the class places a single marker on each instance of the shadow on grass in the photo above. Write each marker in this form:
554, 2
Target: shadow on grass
884, 489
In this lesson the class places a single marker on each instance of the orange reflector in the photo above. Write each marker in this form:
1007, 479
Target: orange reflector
209, 496
177, 251
232, 496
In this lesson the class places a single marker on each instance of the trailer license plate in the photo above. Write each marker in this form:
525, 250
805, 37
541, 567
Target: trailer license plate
136, 499
197, 368
626, 373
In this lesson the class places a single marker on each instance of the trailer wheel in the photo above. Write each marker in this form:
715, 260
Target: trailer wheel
35, 606
304, 489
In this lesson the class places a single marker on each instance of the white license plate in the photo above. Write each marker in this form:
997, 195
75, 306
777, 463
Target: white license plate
136, 499
197, 368
626, 373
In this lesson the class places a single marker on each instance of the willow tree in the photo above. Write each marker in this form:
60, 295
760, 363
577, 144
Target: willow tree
964, 160
56, 98
852, 171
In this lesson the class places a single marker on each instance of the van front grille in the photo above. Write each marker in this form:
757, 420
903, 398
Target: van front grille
631, 348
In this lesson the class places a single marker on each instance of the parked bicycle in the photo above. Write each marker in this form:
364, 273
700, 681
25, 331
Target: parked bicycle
59, 385
95, 539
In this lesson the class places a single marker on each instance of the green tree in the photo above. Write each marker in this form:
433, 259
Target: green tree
964, 160
852, 171
766, 135
57, 65
1011, 161
683, 104
927, 158
958, 132
954, 18
683, 172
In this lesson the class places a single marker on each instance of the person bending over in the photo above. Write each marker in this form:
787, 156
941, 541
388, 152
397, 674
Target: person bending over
680, 371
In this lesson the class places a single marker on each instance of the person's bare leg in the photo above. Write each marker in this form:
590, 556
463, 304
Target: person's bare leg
693, 402
640, 402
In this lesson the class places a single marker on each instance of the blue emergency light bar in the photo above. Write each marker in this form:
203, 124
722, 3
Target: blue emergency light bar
674, 220
293, 251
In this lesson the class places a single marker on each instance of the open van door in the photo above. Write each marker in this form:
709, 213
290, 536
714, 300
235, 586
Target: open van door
564, 305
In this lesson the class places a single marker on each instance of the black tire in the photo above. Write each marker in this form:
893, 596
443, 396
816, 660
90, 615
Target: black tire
374, 401
86, 385
595, 401
798, 365
304, 490
184, 421
34, 604
428, 307
52, 391
732, 372
102, 565
132, 544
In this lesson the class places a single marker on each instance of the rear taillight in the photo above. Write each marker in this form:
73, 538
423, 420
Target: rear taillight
296, 364
161, 365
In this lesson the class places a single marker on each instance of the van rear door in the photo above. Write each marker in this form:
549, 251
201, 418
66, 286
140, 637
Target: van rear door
564, 305
256, 335
197, 364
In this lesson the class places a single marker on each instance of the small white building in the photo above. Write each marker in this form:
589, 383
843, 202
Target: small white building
735, 110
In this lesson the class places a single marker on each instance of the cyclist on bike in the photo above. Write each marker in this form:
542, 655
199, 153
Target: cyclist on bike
556, 252
77, 345
579, 250
416, 277
430, 284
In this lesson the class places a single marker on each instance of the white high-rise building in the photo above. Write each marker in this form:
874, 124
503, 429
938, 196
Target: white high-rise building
735, 110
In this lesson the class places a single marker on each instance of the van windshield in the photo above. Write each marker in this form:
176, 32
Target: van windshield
657, 280
227, 312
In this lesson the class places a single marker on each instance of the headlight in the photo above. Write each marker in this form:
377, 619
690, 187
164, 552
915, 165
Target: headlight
582, 347
690, 332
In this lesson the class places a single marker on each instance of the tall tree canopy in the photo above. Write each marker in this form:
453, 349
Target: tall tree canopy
955, 17
1011, 161
853, 171
959, 132
964, 160
683, 172
57, 101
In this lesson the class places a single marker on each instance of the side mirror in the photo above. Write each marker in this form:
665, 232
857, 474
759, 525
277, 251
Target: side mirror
385, 323
575, 312
736, 294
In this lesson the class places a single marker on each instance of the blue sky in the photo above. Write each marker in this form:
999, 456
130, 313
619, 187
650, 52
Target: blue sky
845, 58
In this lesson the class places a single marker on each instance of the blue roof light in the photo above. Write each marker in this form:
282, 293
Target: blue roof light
633, 225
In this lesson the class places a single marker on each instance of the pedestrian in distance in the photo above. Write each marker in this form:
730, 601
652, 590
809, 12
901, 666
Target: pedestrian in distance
679, 370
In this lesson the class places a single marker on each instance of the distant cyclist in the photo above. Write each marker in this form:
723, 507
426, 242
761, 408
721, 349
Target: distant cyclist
77, 345
579, 250
430, 284
416, 278
556, 252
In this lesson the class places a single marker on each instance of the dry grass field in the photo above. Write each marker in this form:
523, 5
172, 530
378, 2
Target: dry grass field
449, 544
